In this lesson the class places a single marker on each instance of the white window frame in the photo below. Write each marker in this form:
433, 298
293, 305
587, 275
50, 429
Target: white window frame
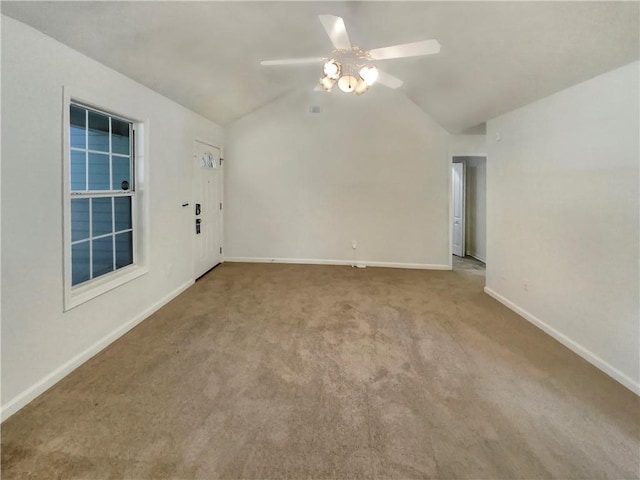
77, 295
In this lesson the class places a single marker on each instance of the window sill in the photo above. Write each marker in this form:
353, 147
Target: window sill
79, 295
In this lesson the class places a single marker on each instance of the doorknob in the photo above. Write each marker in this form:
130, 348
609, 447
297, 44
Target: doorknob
456, 222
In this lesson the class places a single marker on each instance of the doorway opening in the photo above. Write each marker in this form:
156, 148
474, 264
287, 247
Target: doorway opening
468, 212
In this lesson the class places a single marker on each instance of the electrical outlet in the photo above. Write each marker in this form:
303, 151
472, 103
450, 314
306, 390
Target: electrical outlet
354, 244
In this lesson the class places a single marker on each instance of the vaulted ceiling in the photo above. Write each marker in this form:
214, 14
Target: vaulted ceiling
495, 57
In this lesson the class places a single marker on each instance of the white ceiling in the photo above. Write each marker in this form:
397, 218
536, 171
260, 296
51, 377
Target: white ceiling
496, 56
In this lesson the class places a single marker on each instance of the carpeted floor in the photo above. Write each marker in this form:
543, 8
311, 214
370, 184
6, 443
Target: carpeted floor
301, 371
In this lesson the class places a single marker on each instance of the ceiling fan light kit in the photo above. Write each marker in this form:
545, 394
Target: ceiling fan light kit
350, 66
349, 83
351, 72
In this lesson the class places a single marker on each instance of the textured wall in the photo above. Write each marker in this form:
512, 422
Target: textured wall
374, 169
40, 343
562, 225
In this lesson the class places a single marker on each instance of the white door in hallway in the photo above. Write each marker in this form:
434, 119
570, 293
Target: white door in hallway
207, 207
457, 202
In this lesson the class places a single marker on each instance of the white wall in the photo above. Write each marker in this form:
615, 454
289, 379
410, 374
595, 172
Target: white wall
476, 207
302, 186
563, 214
468, 145
40, 343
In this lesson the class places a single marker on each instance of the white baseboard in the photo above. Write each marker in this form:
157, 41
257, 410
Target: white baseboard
415, 266
567, 342
22, 399
359, 263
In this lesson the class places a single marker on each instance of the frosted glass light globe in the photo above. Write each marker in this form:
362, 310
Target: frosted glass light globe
369, 74
347, 83
332, 69
361, 87
327, 83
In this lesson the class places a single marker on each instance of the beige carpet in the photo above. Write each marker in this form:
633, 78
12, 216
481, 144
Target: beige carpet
291, 371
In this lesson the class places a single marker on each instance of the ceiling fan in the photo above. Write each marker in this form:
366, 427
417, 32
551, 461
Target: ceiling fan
350, 66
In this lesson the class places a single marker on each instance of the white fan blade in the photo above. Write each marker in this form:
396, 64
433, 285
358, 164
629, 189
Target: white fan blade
415, 49
334, 26
388, 80
292, 61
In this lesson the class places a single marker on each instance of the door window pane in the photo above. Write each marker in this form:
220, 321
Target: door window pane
79, 219
123, 213
78, 128
120, 137
99, 172
80, 263
98, 132
121, 170
102, 256
124, 249
78, 171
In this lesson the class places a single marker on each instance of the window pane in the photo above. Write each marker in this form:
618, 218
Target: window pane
124, 249
79, 263
98, 132
102, 256
120, 137
78, 171
78, 128
101, 216
99, 172
121, 173
123, 213
79, 219
109, 167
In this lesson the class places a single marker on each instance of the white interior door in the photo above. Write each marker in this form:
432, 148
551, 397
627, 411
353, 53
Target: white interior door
207, 207
458, 208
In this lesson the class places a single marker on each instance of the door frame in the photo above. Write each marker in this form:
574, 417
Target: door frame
450, 181
210, 143
463, 216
